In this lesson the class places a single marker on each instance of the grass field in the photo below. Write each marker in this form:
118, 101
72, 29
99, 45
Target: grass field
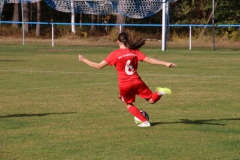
54, 107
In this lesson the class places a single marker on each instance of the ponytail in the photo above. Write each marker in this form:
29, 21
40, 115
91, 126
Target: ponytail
130, 42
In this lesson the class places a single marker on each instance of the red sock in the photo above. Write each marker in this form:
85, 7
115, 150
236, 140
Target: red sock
155, 97
136, 112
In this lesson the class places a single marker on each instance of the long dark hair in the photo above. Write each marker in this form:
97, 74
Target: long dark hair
129, 41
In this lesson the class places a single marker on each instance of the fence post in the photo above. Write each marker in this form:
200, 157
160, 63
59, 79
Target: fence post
213, 34
190, 37
23, 23
52, 35
164, 25
120, 28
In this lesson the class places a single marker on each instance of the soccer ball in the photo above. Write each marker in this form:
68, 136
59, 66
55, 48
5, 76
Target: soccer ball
145, 114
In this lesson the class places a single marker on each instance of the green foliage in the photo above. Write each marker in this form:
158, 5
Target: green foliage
54, 107
198, 12
190, 12
227, 12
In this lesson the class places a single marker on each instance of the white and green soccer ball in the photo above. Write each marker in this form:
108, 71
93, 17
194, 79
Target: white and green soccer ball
138, 121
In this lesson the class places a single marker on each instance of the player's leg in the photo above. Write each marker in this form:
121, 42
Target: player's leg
136, 112
158, 94
155, 97
128, 99
127, 95
146, 93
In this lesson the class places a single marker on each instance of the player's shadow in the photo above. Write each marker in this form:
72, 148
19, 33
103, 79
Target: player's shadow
199, 121
33, 115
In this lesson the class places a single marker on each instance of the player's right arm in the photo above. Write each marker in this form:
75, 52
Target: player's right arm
92, 64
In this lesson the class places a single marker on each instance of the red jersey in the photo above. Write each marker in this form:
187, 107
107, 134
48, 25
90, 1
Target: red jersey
126, 63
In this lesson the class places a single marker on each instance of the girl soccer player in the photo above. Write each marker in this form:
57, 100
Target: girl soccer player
125, 59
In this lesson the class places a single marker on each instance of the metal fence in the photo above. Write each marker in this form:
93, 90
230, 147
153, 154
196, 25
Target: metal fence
190, 26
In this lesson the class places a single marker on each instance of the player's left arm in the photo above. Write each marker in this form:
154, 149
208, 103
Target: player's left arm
99, 65
159, 62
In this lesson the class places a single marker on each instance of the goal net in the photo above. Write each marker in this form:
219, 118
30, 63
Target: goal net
129, 8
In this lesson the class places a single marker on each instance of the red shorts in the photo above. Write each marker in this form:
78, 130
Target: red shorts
128, 92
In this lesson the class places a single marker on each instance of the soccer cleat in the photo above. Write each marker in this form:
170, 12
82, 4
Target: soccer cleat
163, 91
145, 124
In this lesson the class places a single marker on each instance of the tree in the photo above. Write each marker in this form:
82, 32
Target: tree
93, 28
15, 14
1, 9
38, 18
121, 19
26, 16
228, 12
209, 18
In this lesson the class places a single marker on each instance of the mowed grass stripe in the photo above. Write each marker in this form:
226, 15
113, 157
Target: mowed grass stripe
54, 107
